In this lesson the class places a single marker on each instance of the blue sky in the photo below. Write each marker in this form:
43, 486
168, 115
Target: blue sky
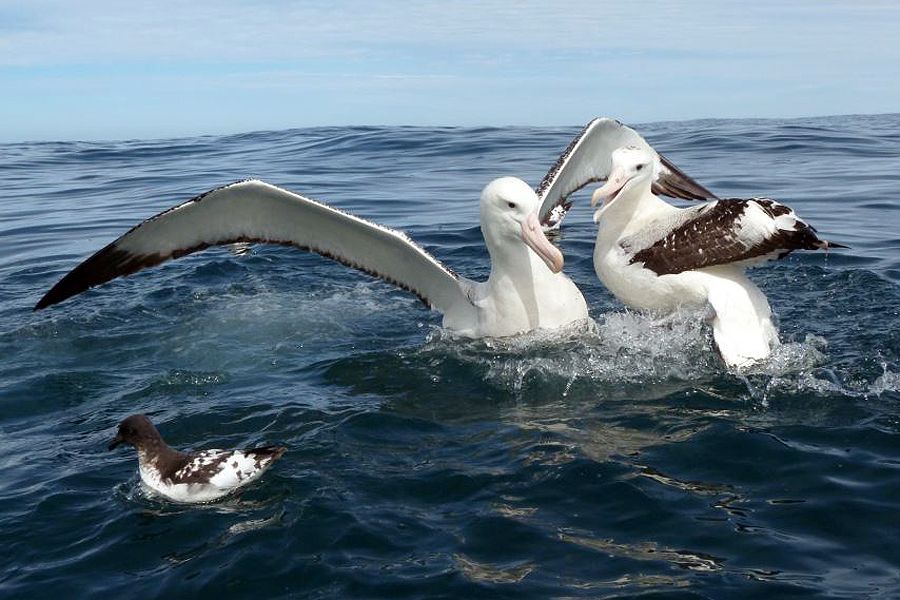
99, 69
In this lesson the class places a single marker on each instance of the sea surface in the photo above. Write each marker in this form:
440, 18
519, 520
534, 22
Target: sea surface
615, 459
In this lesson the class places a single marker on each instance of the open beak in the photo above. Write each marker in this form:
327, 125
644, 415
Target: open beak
614, 184
115, 442
534, 237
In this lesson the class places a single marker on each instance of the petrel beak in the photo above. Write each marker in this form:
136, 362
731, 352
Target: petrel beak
616, 181
533, 236
115, 442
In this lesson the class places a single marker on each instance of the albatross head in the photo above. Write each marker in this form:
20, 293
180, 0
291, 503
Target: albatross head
509, 216
632, 169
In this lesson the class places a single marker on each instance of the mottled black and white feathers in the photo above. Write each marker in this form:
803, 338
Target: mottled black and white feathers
743, 232
657, 257
195, 476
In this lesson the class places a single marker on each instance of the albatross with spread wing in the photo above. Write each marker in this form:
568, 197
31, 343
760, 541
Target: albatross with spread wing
526, 289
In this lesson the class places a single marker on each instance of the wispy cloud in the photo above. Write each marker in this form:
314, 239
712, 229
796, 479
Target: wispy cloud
284, 63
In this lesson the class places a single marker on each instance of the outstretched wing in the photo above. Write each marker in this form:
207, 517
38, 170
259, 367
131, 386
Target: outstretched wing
255, 211
588, 159
732, 231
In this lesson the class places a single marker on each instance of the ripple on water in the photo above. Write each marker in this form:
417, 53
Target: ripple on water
617, 457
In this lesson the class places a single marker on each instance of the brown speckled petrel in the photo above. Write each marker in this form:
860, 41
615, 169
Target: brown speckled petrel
191, 477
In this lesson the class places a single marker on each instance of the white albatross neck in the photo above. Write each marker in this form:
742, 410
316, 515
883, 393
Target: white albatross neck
630, 211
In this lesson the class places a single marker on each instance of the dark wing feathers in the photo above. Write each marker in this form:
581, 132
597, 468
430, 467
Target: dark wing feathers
675, 183
106, 264
727, 232
266, 454
588, 159
560, 163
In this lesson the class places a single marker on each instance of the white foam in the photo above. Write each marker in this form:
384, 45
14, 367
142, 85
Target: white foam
886, 382
621, 347
258, 327
793, 357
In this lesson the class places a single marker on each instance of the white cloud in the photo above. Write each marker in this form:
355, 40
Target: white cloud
57, 32
285, 63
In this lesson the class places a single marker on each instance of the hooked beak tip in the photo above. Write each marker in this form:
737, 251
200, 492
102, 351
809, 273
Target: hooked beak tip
557, 265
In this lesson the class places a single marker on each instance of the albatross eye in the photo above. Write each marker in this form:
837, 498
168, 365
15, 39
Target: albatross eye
511, 204
639, 167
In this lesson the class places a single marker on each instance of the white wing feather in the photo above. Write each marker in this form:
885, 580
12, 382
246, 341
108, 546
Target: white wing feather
255, 211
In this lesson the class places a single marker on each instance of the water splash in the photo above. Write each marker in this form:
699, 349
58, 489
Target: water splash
888, 381
621, 347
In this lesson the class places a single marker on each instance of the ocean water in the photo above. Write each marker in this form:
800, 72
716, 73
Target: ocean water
617, 459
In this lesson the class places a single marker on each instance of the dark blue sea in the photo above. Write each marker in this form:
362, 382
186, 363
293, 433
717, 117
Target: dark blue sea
617, 460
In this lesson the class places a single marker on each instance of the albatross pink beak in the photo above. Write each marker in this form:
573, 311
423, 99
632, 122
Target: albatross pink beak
534, 237
606, 192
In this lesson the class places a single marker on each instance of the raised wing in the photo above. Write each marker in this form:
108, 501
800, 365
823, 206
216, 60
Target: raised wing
588, 159
733, 231
255, 211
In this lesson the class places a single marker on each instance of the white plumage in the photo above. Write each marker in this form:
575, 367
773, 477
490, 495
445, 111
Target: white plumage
656, 257
525, 289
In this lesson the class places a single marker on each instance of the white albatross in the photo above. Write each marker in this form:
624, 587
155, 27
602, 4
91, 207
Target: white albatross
525, 290
657, 257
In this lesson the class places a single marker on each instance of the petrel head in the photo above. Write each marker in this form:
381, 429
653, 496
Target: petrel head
631, 166
135, 430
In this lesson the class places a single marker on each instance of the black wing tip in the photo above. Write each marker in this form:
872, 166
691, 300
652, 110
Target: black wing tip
826, 245
45, 301
105, 265
72, 284
680, 184
80, 279
272, 452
